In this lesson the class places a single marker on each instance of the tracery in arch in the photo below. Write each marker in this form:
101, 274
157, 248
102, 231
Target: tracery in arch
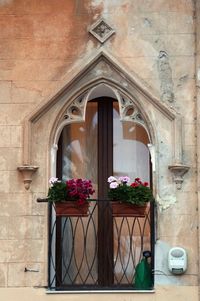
75, 111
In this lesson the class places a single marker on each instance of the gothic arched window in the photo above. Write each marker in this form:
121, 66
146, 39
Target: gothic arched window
99, 251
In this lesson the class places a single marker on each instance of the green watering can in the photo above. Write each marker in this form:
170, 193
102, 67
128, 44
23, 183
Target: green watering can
143, 275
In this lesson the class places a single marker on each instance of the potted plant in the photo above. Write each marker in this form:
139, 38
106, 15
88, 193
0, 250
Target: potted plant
129, 199
71, 198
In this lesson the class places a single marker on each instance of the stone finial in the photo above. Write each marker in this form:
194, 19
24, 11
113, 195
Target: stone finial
27, 173
179, 171
101, 30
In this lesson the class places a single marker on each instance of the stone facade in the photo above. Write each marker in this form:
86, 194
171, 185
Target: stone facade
48, 56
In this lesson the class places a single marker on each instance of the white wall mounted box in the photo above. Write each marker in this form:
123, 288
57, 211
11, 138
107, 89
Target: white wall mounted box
177, 260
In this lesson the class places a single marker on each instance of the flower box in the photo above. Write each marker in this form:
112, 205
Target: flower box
121, 209
70, 198
71, 208
129, 200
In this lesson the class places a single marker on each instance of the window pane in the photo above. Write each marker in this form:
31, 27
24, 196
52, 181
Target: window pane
130, 158
130, 151
80, 147
79, 265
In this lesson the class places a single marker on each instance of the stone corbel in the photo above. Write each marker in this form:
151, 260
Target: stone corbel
179, 171
27, 173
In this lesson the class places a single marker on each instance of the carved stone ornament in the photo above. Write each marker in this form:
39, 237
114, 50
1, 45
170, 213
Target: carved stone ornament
101, 30
27, 173
128, 110
179, 171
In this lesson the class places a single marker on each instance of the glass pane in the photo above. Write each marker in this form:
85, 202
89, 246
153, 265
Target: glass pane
80, 161
130, 151
80, 147
130, 158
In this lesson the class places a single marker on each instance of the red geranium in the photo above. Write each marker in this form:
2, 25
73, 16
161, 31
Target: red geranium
79, 190
138, 182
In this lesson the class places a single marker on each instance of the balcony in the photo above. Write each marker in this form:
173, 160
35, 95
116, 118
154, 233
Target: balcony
98, 251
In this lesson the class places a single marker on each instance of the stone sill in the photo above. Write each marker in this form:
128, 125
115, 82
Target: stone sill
102, 292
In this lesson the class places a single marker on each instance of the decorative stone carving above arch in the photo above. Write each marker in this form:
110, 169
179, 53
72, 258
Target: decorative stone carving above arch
137, 103
129, 111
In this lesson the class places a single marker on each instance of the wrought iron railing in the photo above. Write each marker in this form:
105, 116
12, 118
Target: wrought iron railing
98, 251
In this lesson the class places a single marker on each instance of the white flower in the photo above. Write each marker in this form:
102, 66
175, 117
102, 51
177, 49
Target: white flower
53, 180
114, 185
112, 179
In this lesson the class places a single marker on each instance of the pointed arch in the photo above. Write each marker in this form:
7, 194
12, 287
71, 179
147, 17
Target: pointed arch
43, 126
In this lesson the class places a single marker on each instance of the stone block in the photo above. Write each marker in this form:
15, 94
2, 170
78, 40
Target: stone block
3, 275
189, 183
185, 22
140, 24
39, 48
26, 92
183, 45
183, 280
38, 184
182, 69
160, 6
134, 46
179, 293
15, 204
182, 6
33, 91
181, 205
23, 250
154, 6
5, 95
198, 112
6, 67
185, 99
152, 23
23, 227
44, 26
190, 155
186, 225
4, 181
33, 7
39, 208
11, 136
13, 114
34, 69
16, 136
5, 136
16, 179
28, 227
16, 26
4, 251
144, 67
17, 277
4, 222
10, 158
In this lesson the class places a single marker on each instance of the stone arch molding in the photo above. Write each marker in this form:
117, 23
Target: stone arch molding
137, 103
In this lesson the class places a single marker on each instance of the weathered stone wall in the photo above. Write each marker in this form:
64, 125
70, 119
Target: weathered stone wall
42, 43
197, 15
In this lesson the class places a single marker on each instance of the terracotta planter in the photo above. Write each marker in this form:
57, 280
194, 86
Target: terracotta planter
127, 210
70, 208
